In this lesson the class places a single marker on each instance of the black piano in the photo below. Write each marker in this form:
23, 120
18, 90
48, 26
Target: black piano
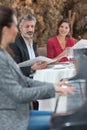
74, 116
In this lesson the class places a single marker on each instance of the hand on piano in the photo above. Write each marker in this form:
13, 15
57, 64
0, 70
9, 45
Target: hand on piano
64, 88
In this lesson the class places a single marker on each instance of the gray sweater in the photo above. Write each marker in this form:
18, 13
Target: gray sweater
16, 91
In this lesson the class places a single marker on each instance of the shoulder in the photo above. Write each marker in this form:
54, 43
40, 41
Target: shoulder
52, 40
18, 43
3, 57
19, 39
71, 40
6, 62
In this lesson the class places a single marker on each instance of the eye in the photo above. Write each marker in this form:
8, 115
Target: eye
66, 27
32, 26
61, 26
27, 26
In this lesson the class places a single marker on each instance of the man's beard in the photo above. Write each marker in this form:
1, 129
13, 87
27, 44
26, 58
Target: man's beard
28, 35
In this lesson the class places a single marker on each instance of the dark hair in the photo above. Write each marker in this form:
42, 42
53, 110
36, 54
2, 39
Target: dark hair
6, 18
64, 21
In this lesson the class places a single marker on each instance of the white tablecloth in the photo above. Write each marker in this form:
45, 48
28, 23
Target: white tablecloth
53, 74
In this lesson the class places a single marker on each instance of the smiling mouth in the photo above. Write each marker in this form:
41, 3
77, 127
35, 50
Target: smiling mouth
63, 33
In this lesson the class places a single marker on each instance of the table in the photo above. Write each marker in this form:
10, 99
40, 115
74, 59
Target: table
53, 73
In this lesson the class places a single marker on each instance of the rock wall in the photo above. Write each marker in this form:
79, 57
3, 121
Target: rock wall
81, 20
79, 7
49, 12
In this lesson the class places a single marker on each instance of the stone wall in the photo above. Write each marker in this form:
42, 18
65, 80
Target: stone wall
79, 7
81, 20
49, 12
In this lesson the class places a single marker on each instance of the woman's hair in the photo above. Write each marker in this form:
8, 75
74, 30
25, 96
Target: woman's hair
64, 21
6, 18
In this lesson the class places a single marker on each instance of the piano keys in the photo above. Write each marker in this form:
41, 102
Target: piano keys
68, 108
74, 116
70, 102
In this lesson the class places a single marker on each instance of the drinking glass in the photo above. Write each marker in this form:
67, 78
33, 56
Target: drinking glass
70, 53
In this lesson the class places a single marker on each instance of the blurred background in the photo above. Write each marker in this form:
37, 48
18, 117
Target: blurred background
49, 12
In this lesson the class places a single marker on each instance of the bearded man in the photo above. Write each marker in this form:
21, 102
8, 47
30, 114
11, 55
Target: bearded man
25, 47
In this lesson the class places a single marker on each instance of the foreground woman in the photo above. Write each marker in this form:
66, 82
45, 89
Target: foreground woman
16, 90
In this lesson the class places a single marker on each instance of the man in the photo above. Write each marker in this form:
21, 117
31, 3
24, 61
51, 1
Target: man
25, 48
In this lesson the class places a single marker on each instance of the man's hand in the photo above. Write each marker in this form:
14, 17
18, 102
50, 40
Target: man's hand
39, 65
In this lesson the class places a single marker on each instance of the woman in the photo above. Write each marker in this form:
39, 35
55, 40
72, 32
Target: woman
16, 90
58, 46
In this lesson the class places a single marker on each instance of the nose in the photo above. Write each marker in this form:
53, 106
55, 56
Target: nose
29, 28
63, 29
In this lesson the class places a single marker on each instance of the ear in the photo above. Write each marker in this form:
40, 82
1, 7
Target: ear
5, 30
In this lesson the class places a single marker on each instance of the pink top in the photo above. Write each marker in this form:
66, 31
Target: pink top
54, 48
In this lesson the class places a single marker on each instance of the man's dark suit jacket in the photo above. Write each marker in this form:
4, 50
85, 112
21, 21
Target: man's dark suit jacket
21, 53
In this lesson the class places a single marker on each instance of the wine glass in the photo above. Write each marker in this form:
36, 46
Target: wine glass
70, 53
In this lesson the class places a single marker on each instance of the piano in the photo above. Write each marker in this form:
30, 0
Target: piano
74, 113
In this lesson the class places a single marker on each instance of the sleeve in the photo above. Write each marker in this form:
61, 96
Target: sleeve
13, 89
50, 51
16, 51
26, 70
